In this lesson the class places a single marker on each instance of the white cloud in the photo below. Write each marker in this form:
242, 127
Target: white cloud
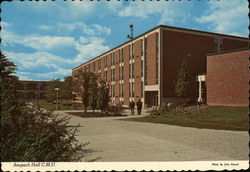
171, 12
92, 30
96, 46
43, 65
37, 42
230, 17
44, 27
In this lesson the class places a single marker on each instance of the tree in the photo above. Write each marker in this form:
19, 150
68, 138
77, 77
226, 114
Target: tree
93, 91
82, 82
50, 92
103, 96
28, 133
183, 83
67, 88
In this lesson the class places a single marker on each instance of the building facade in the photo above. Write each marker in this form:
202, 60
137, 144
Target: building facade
146, 66
228, 85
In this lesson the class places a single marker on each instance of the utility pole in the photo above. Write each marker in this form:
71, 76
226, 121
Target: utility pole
131, 32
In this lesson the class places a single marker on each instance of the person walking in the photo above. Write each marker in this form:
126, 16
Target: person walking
132, 107
139, 106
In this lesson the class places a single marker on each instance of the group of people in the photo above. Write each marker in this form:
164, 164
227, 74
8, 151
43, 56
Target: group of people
132, 107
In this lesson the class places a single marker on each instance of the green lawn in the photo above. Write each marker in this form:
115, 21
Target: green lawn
62, 106
212, 117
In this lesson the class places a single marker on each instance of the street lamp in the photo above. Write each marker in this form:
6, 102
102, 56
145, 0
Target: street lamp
57, 90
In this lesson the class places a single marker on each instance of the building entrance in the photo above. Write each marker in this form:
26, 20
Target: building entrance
151, 98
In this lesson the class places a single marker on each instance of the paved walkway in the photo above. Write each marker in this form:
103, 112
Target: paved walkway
120, 140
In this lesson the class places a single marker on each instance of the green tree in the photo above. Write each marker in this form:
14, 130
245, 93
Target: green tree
103, 96
31, 134
93, 91
67, 88
82, 82
183, 83
50, 92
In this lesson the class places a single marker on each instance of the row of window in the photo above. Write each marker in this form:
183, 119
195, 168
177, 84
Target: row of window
121, 90
144, 64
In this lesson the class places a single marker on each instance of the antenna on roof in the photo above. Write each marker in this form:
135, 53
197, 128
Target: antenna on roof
131, 30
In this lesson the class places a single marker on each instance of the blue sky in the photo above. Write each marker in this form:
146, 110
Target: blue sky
47, 39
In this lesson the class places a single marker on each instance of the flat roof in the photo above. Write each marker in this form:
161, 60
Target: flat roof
163, 26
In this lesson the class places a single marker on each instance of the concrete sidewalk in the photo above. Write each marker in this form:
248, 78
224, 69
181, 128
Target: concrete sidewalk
119, 140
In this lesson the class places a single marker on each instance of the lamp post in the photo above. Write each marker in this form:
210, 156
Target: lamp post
57, 92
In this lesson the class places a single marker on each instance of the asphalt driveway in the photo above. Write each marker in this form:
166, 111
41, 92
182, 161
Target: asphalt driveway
120, 140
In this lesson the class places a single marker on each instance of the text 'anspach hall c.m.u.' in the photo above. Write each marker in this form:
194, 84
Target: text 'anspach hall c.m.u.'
146, 66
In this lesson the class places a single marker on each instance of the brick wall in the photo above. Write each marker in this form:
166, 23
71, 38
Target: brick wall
151, 59
227, 79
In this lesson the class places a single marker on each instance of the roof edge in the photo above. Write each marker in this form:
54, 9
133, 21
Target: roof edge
228, 51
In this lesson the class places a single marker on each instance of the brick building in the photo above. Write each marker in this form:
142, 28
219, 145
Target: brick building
227, 78
31, 89
146, 66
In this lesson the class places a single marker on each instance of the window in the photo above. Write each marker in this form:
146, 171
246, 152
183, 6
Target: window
99, 64
133, 50
129, 89
129, 70
141, 88
133, 70
105, 61
112, 74
122, 73
105, 75
130, 52
120, 60
122, 90
141, 47
113, 91
133, 89
122, 55
94, 66
142, 68
112, 59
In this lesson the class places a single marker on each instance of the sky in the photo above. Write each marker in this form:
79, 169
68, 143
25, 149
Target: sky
47, 39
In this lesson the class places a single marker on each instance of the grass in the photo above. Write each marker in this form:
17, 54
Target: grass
93, 114
211, 117
50, 106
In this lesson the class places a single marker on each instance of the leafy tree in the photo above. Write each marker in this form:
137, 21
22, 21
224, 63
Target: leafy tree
93, 91
103, 96
67, 88
82, 82
50, 92
183, 81
31, 134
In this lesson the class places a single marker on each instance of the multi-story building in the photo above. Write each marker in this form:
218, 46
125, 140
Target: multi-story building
146, 66
31, 89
